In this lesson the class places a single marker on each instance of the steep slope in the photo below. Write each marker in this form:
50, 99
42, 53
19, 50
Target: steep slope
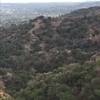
52, 58
45, 42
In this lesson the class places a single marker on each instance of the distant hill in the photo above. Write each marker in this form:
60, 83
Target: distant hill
14, 13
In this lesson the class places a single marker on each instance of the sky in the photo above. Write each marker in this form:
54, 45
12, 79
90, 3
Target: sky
29, 1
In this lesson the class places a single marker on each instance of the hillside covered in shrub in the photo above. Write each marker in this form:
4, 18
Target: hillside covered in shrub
52, 58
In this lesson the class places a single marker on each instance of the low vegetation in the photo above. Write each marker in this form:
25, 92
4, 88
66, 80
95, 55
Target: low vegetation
52, 58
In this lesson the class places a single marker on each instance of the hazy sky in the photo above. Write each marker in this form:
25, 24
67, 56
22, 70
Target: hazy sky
27, 1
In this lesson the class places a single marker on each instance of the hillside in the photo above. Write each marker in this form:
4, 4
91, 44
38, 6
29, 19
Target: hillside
47, 42
53, 58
